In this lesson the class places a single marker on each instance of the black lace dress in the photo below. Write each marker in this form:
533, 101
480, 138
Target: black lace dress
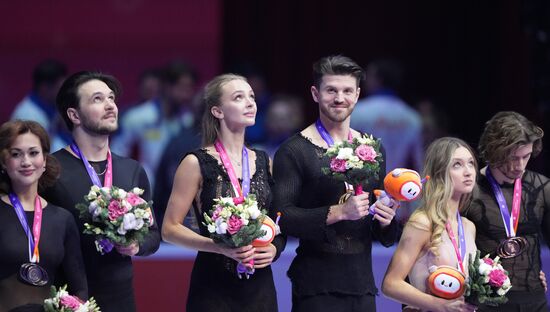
214, 284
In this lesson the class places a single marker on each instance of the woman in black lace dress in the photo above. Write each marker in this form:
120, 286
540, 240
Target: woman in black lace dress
203, 176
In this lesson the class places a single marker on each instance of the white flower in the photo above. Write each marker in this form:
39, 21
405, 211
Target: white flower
254, 212
244, 218
211, 228
121, 229
137, 191
91, 195
484, 268
119, 194
130, 222
225, 213
345, 153
126, 205
221, 226
227, 200
106, 193
92, 207
501, 292
95, 188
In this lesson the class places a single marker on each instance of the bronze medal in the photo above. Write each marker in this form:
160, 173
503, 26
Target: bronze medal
33, 274
512, 247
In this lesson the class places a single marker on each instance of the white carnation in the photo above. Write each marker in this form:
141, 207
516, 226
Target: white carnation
345, 153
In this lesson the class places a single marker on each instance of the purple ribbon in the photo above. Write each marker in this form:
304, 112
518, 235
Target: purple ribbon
104, 245
91, 172
21, 216
510, 232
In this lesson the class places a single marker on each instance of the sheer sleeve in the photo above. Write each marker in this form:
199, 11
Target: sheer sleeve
545, 198
300, 222
280, 240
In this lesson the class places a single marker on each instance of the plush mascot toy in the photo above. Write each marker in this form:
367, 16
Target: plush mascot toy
446, 282
400, 184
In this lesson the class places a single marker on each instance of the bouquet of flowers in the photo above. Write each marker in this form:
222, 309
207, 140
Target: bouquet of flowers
61, 301
115, 217
356, 162
235, 223
488, 282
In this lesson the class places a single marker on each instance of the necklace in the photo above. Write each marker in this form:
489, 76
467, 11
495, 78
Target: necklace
95, 169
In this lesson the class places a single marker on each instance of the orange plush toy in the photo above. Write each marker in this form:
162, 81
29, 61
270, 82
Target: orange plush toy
446, 282
400, 184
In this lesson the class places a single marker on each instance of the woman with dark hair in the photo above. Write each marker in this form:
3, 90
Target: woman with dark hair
39, 240
201, 177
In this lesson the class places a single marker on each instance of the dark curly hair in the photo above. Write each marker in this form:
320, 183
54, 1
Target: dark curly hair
9, 131
504, 133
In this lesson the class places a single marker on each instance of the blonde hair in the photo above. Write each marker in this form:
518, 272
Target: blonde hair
438, 189
212, 95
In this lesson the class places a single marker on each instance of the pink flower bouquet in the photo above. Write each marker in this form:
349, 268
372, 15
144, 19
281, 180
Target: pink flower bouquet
235, 223
115, 217
356, 162
61, 301
488, 282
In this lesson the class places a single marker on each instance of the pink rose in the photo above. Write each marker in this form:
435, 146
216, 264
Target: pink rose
488, 261
366, 153
116, 210
234, 224
70, 302
134, 199
338, 165
497, 278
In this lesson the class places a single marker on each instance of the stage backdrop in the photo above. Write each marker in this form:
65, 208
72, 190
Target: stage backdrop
120, 37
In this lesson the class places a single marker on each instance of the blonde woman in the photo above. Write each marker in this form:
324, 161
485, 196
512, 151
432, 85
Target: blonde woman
202, 176
436, 234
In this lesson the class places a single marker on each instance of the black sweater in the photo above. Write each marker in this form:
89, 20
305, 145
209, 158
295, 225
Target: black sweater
330, 258
111, 273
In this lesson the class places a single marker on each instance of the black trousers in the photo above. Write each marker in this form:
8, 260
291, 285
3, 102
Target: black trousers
521, 301
334, 303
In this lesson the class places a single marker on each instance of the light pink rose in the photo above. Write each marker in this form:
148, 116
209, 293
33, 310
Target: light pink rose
366, 153
497, 278
234, 224
216, 213
70, 302
116, 209
134, 199
338, 165
488, 261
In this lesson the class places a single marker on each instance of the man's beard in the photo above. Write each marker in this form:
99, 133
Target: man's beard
333, 116
97, 128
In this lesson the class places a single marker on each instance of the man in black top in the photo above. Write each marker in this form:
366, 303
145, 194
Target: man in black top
506, 145
86, 102
332, 270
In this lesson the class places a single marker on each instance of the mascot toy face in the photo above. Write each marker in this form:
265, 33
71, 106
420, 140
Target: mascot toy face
446, 282
403, 184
